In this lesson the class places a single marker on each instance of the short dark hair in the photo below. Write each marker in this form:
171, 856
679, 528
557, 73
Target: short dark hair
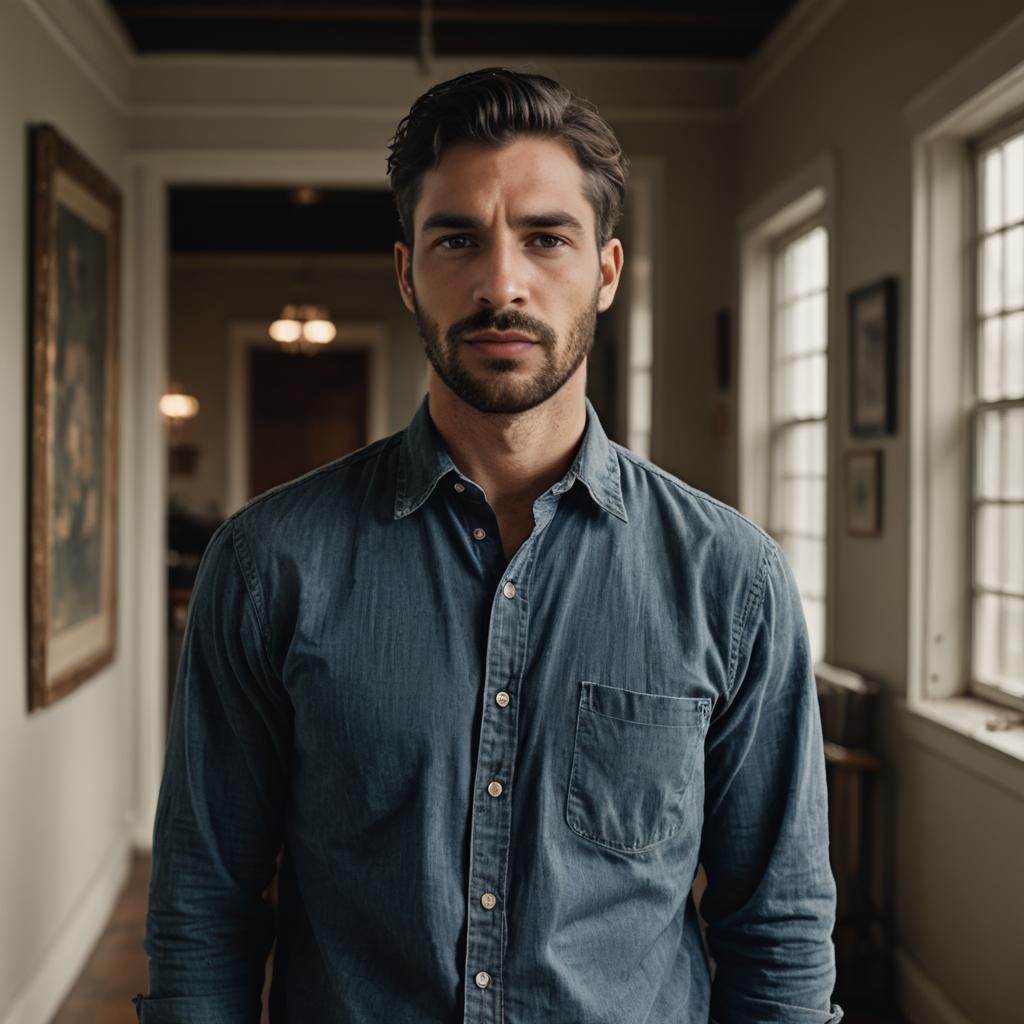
494, 106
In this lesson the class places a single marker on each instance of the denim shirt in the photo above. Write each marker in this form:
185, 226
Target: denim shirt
493, 780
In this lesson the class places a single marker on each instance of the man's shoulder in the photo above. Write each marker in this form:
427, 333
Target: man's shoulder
697, 510
319, 498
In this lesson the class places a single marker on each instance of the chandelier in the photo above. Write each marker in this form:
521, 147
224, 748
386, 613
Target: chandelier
303, 328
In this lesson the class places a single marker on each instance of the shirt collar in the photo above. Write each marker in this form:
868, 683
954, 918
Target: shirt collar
423, 460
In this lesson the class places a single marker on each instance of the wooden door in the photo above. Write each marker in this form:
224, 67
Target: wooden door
304, 411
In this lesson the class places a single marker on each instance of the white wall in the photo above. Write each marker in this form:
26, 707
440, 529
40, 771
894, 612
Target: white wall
958, 828
66, 773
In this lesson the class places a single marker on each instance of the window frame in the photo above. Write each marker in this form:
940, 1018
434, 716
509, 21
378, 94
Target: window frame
973, 97
974, 148
808, 193
776, 426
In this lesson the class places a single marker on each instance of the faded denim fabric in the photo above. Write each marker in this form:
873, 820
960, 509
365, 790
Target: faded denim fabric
366, 680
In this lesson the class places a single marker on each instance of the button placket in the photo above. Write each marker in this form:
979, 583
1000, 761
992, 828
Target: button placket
492, 805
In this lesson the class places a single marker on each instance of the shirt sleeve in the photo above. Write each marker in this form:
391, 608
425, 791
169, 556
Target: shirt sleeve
770, 899
219, 819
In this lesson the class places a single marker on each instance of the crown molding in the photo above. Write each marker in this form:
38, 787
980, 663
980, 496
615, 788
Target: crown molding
793, 33
92, 37
255, 87
626, 89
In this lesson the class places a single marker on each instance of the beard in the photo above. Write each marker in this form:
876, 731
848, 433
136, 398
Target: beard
500, 388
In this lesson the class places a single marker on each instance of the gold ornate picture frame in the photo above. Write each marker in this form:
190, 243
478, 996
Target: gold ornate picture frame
75, 295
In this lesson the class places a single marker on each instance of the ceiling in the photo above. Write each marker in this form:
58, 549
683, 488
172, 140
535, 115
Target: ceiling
694, 29
293, 220
208, 219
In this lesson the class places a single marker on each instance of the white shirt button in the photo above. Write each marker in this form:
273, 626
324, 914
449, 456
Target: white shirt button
483, 979
488, 900
509, 590
501, 698
479, 534
495, 788
460, 487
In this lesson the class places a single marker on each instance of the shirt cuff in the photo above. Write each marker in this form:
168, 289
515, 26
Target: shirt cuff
195, 1010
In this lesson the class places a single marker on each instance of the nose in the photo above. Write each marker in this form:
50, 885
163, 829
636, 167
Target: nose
502, 276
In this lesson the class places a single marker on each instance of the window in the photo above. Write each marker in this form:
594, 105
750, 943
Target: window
997, 648
640, 326
798, 484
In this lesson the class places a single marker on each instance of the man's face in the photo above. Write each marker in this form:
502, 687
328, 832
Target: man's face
505, 276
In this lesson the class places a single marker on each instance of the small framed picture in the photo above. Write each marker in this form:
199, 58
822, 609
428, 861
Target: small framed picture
864, 493
872, 340
76, 239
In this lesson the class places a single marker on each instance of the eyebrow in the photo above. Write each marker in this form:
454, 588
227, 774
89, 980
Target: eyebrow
464, 222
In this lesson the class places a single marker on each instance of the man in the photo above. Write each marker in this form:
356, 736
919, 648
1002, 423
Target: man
496, 684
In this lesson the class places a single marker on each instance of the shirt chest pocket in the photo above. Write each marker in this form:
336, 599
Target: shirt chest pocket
634, 757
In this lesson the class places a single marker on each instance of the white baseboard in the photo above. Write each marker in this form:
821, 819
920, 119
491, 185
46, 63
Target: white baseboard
40, 999
921, 999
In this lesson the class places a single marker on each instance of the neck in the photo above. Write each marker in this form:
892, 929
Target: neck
515, 458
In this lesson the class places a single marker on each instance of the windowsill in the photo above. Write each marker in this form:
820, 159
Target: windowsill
954, 728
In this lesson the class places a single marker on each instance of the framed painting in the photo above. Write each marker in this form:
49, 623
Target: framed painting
73, 367
872, 340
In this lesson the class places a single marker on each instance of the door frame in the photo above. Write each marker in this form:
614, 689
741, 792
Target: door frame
147, 332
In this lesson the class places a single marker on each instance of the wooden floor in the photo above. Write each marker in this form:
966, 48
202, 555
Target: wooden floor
118, 969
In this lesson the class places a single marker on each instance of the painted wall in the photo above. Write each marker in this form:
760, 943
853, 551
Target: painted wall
66, 773
958, 833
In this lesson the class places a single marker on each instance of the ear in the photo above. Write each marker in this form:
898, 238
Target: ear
611, 271
403, 271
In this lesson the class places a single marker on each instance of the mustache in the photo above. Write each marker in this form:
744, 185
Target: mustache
508, 320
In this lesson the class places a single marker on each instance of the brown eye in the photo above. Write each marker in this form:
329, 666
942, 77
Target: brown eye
455, 242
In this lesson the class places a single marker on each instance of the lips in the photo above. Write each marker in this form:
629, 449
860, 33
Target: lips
501, 343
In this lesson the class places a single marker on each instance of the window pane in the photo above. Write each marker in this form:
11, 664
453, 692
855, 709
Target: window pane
787, 330
805, 506
986, 637
988, 448
803, 449
810, 386
1000, 454
986, 546
1013, 454
1014, 254
990, 284
817, 258
1013, 639
807, 557
1013, 180
1013, 538
1013, 356
990, 353
799, 386
814, 613
992, 189
817, 318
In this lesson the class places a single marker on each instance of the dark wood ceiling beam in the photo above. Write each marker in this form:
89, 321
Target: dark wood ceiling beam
733, 20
